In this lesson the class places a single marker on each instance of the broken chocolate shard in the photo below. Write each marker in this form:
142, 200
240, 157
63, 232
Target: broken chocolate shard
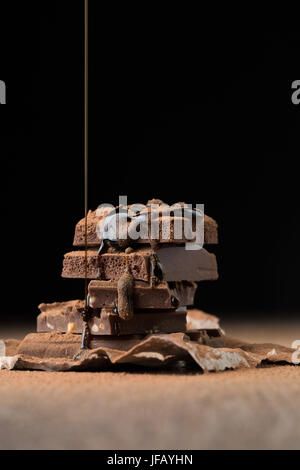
64, 317
199, 320
74, 264
162, 296
47, 345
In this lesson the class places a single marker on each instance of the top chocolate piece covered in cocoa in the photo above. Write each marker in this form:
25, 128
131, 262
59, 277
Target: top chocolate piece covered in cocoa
167, 221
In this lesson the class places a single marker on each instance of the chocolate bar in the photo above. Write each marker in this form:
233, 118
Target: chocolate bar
67, 346
162, 296
37, 345
96, 225
66, 318
178, 264
143, 322
112, 265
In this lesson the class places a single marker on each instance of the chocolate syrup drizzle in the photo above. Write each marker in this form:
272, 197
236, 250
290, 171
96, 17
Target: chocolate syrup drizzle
86, 311
124, 307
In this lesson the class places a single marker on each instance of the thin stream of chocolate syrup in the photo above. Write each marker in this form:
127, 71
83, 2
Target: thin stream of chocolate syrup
85, 332
86, 142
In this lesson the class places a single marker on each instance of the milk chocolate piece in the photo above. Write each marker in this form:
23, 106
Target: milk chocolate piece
188, 265
48, 345
162, 296
67, 319
61, 316
178, 264
67, 346
96, 224
112, 265
142, 323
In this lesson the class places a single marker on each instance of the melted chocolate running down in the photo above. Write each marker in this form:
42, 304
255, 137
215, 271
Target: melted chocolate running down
157, 274
125, 294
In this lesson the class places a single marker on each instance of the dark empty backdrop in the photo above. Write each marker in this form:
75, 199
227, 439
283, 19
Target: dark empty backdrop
179, 110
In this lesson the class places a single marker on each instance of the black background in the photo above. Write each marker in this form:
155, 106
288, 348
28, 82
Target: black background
179, 110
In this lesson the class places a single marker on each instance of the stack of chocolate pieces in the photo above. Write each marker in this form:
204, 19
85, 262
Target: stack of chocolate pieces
137, 287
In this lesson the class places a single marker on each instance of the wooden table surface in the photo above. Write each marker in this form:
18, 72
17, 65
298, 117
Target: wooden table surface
247, 409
